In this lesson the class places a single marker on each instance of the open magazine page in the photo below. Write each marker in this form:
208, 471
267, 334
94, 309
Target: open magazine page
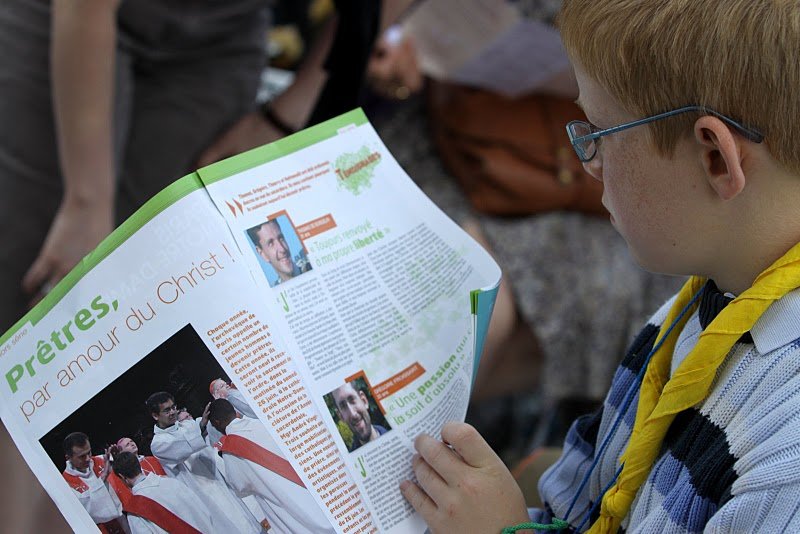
160, 307
259, 360
370, 285
150, 317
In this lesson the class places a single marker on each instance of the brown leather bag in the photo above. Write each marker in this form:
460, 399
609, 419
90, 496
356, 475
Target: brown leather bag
511, 156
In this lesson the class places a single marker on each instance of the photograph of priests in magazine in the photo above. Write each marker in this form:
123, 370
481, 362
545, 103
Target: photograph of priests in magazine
172, 446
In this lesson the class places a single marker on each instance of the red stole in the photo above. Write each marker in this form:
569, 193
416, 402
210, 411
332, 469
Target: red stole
244, 448
75, 482
150, 464
157, 514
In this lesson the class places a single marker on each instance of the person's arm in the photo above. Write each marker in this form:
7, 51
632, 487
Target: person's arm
236, 398
98, 501
204, 421
180, 445
292, 107
107, 462
82, 70
463, 486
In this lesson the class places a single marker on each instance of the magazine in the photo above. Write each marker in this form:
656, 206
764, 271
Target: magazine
256, 348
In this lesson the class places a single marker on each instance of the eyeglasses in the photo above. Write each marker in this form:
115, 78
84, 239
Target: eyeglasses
584, 135
169, 409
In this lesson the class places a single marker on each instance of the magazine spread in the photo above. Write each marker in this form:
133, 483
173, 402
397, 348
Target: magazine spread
256, 348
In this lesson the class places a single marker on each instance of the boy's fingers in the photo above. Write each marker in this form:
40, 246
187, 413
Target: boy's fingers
419, 500
440, 458
428, 479
469, 444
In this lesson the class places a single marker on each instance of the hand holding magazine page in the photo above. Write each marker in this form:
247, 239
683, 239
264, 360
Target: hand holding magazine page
255, 349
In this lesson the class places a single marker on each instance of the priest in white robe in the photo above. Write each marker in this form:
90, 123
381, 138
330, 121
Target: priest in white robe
87, 475
220, 389
160, 504
185, 454
149, 464
255, 466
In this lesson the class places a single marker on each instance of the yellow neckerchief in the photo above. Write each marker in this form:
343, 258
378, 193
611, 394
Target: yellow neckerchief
661, 398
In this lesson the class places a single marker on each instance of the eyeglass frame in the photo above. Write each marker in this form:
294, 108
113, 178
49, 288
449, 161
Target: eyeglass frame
750, 134
170, 409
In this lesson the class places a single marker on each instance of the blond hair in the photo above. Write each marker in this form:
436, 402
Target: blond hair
737, 57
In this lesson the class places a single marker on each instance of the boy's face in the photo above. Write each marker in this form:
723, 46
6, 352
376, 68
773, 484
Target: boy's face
656, 203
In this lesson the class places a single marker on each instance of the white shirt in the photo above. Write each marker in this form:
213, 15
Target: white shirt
185, 455
289, 507
175, 497
99, 500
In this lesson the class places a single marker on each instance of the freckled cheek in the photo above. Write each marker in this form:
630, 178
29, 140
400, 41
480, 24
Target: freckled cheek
616, 184
631, 183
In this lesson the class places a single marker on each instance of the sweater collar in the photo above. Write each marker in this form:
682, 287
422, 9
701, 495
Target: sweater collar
712, 301
778, 326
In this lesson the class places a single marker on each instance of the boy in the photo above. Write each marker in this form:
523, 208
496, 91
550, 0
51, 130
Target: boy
710, 431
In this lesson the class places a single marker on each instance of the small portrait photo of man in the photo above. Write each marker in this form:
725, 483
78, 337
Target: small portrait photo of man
279, 250
357, 415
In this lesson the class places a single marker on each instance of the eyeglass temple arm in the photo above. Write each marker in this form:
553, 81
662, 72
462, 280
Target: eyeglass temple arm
749, 134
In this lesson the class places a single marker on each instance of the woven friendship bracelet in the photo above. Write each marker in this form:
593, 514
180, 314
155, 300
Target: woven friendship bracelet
556, 524
277, 122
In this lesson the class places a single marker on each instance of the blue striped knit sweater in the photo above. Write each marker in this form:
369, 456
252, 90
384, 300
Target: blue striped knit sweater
730, 464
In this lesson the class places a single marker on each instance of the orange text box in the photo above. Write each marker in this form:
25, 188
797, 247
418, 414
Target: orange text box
317, 226
398, 381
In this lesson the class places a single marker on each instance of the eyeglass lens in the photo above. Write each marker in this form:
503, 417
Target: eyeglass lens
586, 147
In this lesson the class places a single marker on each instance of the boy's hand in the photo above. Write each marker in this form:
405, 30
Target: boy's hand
463, 487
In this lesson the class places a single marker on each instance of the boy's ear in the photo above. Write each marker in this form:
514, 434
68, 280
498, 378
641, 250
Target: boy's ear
721, 156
